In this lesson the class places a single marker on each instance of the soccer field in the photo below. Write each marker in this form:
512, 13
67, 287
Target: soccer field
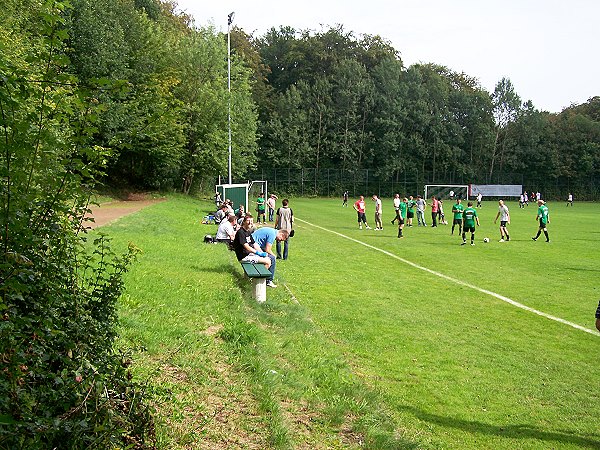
452, 335
369, 341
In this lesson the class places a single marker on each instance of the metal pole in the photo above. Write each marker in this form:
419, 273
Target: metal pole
229, 22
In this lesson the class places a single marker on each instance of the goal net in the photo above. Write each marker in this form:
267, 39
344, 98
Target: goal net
255, 188
447, 191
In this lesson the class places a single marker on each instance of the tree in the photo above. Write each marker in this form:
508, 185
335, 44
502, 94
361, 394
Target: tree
506, 105
63, 383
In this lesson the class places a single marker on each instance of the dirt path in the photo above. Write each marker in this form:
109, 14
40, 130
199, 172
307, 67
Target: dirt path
109, 212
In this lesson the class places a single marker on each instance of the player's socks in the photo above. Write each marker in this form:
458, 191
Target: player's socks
507, 237
547, 237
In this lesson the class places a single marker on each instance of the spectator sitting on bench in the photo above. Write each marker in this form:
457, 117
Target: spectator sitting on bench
227, 230
221, 214
247, 250
239, 214
265, 237
229, 204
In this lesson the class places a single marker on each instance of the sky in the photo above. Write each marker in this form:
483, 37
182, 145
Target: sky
547, 48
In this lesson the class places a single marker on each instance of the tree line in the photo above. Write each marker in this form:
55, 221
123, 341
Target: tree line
337, 101
299, 98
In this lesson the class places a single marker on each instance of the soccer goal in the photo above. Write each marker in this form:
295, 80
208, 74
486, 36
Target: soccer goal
447, 191
255, 188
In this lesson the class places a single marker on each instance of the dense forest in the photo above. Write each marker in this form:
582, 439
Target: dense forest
130, 93
303, 99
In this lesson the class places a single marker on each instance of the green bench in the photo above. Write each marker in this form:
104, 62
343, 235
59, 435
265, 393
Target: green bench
258, 274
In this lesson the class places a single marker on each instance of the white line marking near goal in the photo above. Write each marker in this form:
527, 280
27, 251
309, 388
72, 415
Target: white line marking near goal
459, 282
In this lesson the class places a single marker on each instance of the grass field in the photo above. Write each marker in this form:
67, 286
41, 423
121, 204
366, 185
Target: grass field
369, 341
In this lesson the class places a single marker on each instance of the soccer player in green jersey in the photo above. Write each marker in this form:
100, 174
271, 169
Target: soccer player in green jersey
403, 207
457, 210
260, 208
544, 217
410, 212
470, 218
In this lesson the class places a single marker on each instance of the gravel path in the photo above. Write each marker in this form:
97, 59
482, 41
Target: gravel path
109, 212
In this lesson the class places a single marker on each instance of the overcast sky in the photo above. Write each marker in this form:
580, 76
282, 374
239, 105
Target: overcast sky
548, 48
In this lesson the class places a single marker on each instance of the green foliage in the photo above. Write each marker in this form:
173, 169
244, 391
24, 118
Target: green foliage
171, 123
62, 384
338, 101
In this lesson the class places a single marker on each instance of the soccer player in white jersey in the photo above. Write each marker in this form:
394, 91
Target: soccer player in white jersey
504, 215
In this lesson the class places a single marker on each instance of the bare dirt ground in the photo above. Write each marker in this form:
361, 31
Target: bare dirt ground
109, 212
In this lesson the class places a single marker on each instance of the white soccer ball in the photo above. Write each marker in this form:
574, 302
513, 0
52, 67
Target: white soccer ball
486, 240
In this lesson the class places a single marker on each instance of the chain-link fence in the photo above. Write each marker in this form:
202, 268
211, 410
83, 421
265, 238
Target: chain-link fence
333, 182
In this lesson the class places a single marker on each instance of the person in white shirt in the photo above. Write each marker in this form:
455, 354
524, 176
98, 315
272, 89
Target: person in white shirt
227, 230
378, 212
421, 205
504, 215
397, 208
271, 201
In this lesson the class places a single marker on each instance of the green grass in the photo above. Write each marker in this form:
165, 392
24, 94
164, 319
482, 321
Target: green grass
359, 349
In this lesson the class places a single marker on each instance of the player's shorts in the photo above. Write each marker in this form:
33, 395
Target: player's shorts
457, 222
469, 229
252, 257
503, 223
410, 214
542, 224
400, 221
362, 217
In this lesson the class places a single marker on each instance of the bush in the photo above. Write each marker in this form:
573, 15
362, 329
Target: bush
62, 383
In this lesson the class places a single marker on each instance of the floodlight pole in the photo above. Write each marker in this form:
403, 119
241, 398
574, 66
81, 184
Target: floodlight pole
229, 22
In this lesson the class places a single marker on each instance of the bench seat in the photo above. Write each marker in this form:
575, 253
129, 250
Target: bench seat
258, 273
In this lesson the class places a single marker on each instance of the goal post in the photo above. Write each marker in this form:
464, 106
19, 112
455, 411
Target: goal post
255, 188
447, 191
242, 194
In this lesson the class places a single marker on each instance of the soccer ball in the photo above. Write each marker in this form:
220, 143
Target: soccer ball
486, 240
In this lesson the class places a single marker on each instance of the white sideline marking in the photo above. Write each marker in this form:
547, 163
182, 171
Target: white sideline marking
292, 296
459, 282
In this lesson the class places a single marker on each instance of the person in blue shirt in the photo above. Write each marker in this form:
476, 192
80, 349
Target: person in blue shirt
265, 237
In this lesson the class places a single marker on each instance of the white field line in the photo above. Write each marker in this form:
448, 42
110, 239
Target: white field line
457, 281
292, 296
